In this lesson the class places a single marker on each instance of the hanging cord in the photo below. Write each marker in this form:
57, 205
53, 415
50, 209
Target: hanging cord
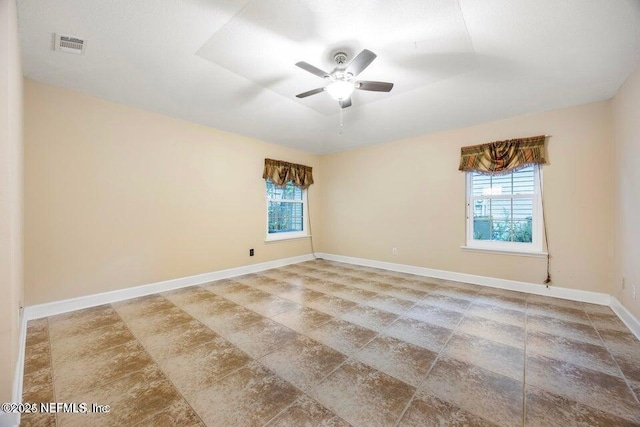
313, 252
544, 225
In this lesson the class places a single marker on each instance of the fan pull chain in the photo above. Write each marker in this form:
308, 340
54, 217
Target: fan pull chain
341, 123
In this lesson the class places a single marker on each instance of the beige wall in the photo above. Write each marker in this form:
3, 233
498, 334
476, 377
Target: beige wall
626, 131
10, 195
409, 194
117, 197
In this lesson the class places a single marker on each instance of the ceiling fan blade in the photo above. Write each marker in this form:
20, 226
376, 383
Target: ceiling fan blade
361, 62
374, 86
310, 92
345, 103
313, 70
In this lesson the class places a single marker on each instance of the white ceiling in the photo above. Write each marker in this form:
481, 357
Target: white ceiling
229, 64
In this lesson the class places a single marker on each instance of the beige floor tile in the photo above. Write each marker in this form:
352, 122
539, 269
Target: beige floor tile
248, 296
497, 313
38, 420
262, 337
430, 313
592, 388
506, 302
364, 396
446, 302
193, 295
621, 343
607, 321
303, 319
359, 296
132, 398
456, 294
78, 346
82, 321
307, 412
487, 354
558, 302
179, 414
596, 308
390, 304
227, 287
37, 332
496, 331
420, 284
281, 288
409, 294
38, 387
152, 322
332, 305
229, 320
402, 360
343, 336
303, 362
546, 409
272, 306
142, 306
422, 334
166, 343
427, 410
630, 365
73, 376
563, 328
570, 314
209, 306
579, 353
468, 288
369, 317
506, 293
635, 387
377, 287
300, 295
37, 357
203, 366
491, 396
326, 287
250, 396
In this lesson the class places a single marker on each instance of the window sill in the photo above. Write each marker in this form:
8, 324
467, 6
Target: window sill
533, 254
271, 239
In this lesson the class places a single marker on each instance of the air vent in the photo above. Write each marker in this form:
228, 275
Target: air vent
70, 44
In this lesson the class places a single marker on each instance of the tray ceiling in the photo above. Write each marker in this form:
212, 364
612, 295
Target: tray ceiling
230, 64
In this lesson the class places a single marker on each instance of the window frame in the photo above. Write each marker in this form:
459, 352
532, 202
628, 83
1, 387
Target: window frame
286, 235
535, 247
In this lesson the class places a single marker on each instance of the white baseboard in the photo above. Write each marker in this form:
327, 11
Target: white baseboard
64, 306
14, 419
625, 315
9, 420
513, 285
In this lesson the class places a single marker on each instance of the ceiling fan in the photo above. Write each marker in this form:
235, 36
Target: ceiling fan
342, 79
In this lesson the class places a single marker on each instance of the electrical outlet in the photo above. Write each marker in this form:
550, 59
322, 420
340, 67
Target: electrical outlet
251, 253
623, 285
394, 251
633, 291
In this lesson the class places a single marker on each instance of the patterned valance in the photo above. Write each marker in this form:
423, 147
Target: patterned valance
503, 156
282, 172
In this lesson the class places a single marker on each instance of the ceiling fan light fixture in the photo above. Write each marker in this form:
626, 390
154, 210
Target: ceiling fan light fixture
340, 90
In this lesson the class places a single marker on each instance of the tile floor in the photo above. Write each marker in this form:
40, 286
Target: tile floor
323, 343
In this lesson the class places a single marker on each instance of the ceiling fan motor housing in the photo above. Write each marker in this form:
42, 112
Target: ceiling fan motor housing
340, 58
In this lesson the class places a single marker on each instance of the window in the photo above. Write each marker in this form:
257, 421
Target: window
286, 211
504, 211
